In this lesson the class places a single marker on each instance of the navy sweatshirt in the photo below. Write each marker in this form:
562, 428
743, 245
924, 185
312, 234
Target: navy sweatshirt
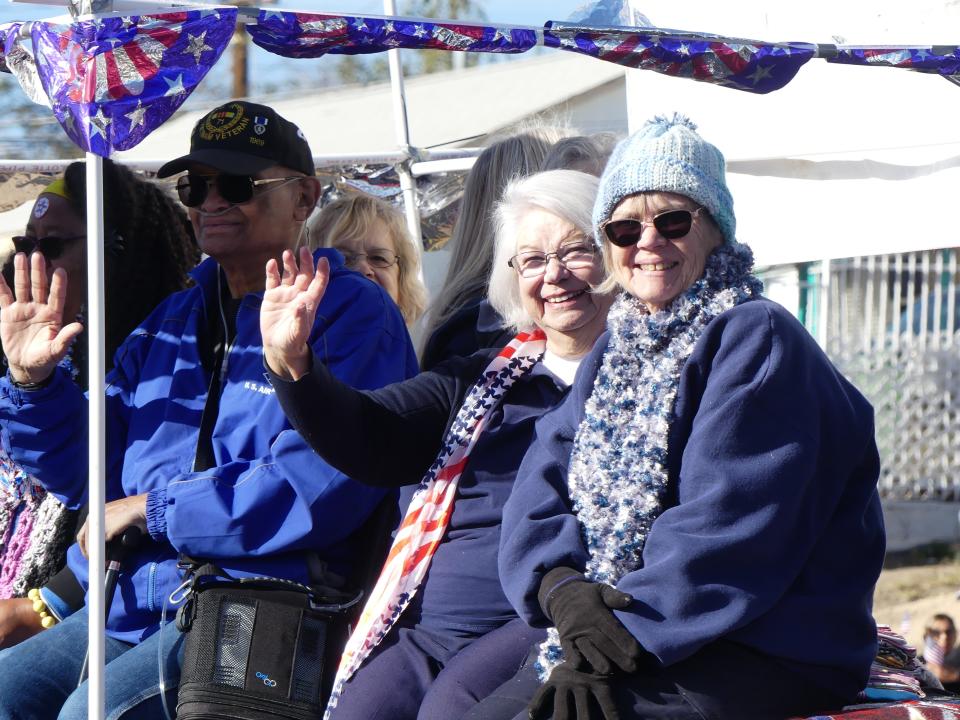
390, 437
773, 537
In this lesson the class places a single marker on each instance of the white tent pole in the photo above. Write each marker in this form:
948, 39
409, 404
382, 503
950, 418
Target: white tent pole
456, 159
407, 184
97, 456
451, 165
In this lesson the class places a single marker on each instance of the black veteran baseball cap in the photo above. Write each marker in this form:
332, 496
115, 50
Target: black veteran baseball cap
243, 138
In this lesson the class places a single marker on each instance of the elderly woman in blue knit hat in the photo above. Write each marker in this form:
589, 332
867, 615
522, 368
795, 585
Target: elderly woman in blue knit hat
710, 479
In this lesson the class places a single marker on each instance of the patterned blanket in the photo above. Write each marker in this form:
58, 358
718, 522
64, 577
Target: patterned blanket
900, 688
927, 709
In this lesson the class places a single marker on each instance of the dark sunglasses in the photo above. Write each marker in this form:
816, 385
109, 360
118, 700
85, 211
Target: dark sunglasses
235, 189
672, 225
50, 246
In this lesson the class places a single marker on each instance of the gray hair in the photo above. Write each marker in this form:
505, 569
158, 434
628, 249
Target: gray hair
568, 194
575, 153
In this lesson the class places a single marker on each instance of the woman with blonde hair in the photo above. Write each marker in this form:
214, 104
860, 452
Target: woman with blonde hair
373, 239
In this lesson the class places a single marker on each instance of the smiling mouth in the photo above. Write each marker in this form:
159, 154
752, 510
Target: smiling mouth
565, 297
657, 267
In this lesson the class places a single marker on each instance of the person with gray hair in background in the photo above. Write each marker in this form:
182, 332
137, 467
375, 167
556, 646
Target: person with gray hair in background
586, 153
463, 428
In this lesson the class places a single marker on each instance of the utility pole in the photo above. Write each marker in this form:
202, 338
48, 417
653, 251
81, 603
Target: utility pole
238, 59
239, 67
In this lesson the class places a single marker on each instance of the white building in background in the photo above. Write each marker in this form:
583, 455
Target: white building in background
455, 108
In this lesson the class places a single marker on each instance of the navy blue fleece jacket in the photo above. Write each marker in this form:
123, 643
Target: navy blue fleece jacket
773, 535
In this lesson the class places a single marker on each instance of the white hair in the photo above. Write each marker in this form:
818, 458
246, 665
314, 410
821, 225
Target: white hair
568, 194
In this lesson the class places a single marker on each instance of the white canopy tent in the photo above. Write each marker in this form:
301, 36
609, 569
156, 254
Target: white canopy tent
843, 161
818, 169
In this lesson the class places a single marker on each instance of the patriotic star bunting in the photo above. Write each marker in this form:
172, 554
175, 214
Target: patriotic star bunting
310, 35
742, 64
931, 59
113, 80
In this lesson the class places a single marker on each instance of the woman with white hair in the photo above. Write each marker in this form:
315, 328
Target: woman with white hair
431, 646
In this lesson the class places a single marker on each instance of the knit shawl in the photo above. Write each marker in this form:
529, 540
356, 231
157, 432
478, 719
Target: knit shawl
617, 478
35, 528
35, 531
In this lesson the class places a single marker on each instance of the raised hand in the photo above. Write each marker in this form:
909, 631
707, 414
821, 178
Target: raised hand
31, 320
288, 310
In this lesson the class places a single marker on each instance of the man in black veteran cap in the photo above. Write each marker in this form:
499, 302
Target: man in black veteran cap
199, 454
249, 186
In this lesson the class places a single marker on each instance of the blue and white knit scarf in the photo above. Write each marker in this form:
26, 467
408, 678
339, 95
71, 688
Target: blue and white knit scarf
617, 476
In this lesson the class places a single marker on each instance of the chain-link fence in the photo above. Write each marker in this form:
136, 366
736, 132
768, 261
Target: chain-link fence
890, 324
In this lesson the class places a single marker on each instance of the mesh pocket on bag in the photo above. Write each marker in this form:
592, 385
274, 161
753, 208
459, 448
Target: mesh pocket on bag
308, 667
254, 653
234, 635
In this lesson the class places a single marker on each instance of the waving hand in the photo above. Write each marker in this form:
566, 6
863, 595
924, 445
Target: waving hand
31, 320
288, 311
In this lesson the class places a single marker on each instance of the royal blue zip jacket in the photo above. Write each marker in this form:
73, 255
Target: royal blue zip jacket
270, 505
773, 534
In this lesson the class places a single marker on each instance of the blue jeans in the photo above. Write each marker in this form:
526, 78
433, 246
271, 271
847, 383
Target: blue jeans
38, 677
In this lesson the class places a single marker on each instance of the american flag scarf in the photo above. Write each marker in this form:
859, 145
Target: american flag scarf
428, 515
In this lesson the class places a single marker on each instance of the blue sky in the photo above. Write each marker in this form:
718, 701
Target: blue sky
526, 12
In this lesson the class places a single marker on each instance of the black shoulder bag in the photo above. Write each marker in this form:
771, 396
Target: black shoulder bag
258, 648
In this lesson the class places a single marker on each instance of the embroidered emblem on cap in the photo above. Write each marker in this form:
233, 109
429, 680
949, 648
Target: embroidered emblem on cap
260, 124
40, 209
224, 124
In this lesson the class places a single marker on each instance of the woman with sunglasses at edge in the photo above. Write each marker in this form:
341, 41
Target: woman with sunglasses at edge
437, 632
150, 248
710, 464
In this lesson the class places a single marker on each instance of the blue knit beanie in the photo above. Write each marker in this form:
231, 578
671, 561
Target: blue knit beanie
667, 155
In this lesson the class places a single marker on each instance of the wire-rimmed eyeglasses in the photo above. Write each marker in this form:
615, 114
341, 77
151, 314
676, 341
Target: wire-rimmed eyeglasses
380, 260
573, 256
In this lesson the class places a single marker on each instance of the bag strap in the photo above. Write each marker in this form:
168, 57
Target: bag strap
221, 329
322, 598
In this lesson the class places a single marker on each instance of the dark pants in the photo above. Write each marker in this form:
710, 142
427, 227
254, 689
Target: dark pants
724, 681
420, 674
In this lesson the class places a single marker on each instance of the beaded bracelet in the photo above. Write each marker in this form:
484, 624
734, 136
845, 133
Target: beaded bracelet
47, 620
